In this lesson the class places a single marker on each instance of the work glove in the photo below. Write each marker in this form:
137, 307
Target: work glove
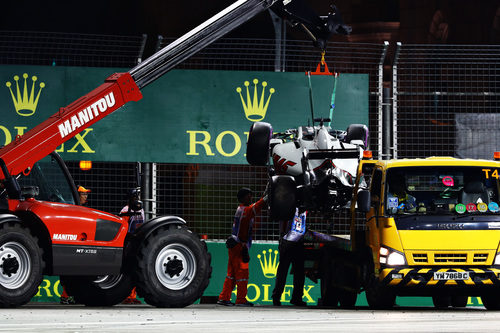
231, 242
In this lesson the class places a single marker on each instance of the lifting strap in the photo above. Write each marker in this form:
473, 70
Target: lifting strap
311, 99
332, 104
326, 71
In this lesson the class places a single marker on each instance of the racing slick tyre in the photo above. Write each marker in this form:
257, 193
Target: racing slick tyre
282, 198
357, 132
173, 267
259, 138
491, 301
105, 290
21, 265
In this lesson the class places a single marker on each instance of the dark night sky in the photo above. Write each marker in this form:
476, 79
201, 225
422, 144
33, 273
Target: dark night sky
170, 18
470, 21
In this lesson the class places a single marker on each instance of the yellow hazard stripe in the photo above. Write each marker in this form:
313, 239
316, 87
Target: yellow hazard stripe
413, 282
384, 273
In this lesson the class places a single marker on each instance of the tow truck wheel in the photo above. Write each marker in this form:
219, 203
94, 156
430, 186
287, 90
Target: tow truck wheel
329, 294
259, 138
441, 301
173, 267
21, 265
459, 301
347, 299
378, 297
491, 301
104, 290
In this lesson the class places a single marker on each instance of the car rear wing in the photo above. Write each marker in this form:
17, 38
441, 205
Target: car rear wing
348, 153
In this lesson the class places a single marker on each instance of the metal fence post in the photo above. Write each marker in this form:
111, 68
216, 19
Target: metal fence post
395, 101
279, 41
387, 128
142, 47
146, 188
149, 187
154, 189
380, 93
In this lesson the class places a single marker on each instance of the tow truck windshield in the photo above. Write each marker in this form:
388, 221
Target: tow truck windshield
442, 190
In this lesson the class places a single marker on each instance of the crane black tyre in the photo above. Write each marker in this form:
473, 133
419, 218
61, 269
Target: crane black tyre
259, 138
173, 267
105, 290
358, 132
21, 265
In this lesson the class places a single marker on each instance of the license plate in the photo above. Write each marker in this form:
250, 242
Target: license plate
451, 276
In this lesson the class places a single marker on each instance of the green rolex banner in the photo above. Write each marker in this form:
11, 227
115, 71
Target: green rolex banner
186, 116
264, 260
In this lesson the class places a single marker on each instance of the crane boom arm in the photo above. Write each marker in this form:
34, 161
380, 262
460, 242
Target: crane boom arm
40, 141
121, 88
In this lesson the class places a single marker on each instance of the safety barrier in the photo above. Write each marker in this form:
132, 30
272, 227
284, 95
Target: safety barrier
437, 100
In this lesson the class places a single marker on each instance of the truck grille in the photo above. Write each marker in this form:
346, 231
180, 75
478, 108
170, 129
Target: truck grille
480, 257
420, 257
441, 258
450, 258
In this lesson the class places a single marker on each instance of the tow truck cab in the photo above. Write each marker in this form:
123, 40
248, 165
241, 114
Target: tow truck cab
433, 229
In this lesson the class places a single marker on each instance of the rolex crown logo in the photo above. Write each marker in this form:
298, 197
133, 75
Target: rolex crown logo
25, 101
255, 107
269, 263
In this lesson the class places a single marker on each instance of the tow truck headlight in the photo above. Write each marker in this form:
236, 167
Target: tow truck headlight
392, 257
497, 259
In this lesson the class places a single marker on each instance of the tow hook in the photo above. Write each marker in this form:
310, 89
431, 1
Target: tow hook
173, 267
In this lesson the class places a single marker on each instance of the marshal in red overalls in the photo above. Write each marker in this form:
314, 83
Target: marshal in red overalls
239, 242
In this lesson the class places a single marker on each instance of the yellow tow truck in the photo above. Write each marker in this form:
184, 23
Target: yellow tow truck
431, 227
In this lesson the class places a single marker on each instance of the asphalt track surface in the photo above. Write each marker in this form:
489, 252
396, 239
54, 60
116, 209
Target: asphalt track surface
205, 318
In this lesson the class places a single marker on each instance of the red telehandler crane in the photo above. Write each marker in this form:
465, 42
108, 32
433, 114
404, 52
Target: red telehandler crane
43, 230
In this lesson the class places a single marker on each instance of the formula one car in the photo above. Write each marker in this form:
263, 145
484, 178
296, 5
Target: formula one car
314, 166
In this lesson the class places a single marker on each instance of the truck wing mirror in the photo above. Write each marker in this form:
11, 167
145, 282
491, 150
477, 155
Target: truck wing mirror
364, 201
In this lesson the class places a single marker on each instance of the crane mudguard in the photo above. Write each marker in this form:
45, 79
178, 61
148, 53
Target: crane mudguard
146, 229
9, 218
149, 226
